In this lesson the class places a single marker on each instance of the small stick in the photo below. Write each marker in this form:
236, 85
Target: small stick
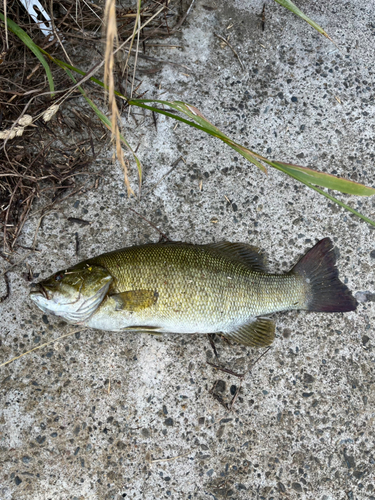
230, 46
76, 220
212, 343
231, 404
226, 370
40, 346
7, 293
261, 356
77, 243
174, 165
151, 224
154, 118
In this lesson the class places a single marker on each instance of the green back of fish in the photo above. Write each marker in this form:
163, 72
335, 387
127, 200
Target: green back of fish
220, 285
177, 287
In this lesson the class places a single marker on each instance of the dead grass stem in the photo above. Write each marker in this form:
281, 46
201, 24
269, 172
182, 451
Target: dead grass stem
42, 163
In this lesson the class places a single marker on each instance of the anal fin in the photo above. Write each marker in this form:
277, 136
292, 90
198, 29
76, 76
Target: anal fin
258, 333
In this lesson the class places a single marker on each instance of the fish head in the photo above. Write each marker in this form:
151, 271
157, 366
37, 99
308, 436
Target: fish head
73, 294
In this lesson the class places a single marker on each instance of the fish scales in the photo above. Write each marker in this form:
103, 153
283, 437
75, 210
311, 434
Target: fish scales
198, 288
184, 288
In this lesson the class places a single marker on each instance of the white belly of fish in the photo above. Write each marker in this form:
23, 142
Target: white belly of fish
108, 318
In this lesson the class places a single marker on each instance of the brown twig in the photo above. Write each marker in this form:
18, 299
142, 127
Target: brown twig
263, 16
151, 224
40, 347
260, 357
233, 50
212, 344
174, 165
227, 370
241, 376
7, 293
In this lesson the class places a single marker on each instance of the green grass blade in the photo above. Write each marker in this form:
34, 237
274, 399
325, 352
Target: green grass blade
290, 5
324, 180
332, 198
201, 124
306, 176
24, 37
343, 205
303, 174
107, 122
65, 65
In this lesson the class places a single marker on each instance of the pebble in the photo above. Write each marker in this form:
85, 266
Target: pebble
220, 386
308, 379
297, 487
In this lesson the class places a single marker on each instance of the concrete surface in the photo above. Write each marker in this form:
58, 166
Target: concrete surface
110, 416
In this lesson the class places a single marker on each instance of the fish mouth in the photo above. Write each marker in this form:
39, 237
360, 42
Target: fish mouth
38, 289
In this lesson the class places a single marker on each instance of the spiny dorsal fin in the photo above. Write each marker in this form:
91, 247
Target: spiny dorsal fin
258, 333
248, 255
135, 300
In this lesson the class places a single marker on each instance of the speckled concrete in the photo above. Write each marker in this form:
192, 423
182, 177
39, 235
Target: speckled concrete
108, 416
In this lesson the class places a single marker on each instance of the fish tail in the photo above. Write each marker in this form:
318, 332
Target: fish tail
324, 291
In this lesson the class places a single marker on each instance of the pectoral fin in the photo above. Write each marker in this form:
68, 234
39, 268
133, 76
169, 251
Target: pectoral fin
135, 300
258, 333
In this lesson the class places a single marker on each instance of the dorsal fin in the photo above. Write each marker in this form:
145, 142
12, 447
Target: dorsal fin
248, 255
258, 333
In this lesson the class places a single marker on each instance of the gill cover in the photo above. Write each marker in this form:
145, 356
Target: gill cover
73, 294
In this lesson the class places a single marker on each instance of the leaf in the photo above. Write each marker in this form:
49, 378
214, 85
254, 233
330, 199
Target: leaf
322, 179
300, 173
24, 37
307, 176
290, 5
201, 123
335, 200
107, 122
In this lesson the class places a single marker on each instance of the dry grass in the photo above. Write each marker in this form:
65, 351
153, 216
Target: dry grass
45, 161
111, 40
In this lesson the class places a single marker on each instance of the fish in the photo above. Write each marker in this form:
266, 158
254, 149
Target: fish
176, 287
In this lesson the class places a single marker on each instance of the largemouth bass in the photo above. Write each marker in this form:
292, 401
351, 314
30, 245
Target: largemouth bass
183, 288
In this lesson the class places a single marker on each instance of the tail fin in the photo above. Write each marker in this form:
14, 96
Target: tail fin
318, 269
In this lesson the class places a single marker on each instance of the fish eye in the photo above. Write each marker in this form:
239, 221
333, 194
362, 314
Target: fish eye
59, 276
